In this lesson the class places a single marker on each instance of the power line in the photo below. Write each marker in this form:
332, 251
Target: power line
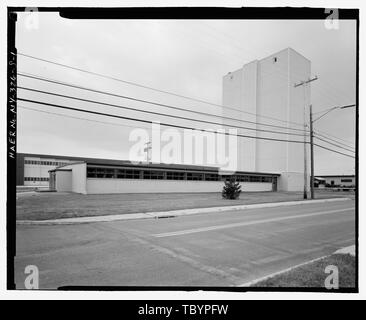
78, 118
150, 112
337, 143
347, 155
330, 139
328, 135
147, 121
116, 124
151, 102
151, 88
334, 144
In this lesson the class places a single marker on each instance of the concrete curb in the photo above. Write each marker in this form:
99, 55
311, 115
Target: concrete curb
172, 213
347, 250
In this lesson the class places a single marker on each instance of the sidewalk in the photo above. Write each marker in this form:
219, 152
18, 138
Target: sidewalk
166, 214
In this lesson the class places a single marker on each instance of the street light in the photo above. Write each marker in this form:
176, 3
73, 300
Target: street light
334, 108
312, 144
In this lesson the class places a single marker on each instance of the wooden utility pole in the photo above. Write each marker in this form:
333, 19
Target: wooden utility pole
304, 83
312, 137
311, 154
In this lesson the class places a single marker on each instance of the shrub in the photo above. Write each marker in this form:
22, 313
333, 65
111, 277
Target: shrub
231, 189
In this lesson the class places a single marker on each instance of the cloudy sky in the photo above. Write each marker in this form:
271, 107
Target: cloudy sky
187, 57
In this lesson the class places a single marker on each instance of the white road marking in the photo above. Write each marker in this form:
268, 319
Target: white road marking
241, 224
250, 283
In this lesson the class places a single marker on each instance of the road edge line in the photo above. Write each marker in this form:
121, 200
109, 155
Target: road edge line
271, 275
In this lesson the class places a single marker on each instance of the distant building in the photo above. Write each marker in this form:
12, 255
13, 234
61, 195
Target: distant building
336, 180
32, 169
266, 87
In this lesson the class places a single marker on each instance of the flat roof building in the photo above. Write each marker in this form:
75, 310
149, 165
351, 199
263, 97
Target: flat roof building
96, 176
337, 180
93, 176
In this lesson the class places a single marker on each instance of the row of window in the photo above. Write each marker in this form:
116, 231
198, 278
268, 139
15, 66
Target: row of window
45, 163
33, 179
346, 180
95, 172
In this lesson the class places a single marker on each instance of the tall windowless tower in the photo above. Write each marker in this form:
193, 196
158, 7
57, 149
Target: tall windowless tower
263, 92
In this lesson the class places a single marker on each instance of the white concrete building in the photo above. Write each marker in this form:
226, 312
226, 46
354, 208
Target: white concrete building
97, 176
33, 169
266, 87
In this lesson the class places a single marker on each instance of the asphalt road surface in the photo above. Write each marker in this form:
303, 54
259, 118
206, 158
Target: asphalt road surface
216, 249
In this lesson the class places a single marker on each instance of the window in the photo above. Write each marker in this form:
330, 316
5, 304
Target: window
108, 173
31, 162
243, 178
95, 172
34, 179
154, 175
175, 175
194, 176
225, 177
254, 179
132, 174
91, 172
211, 177
346, 180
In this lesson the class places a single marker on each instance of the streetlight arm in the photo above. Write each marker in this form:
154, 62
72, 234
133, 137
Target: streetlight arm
325, 114
331, 109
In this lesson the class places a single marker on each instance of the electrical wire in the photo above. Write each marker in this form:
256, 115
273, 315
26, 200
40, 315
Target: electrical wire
148, 121
153, 89
151, 112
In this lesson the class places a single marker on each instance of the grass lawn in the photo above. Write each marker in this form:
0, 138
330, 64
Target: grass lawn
53, 205
313, 275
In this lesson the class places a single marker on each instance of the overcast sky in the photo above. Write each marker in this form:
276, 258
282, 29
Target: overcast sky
186, 57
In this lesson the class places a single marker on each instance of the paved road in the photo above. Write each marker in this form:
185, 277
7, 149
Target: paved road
216, 249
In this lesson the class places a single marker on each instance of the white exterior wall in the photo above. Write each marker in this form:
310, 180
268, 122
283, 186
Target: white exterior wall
240, 92
38, 170
64, 181
266, 87
77, 177
101, 185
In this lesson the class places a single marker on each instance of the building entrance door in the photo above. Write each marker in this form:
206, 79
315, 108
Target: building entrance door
53, 181
274, 183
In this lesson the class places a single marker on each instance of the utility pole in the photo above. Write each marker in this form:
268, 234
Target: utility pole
304, 83
312, 137
311, 154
